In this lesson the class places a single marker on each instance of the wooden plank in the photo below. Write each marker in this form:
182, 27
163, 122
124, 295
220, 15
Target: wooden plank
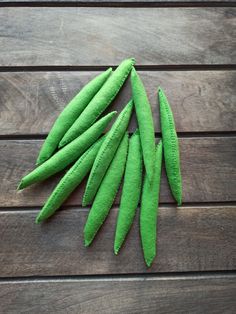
118, 2
208, 170
69, 36
179, 294
202, 101
189, 239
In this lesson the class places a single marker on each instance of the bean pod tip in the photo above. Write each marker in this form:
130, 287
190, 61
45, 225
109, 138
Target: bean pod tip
87, 243
160, 92
149, 262
116, 250
20, 186
179, 202
133, 60
38, 220
109, 70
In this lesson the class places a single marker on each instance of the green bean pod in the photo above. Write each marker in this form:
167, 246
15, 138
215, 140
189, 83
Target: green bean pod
68, 154
106, 193
70, 113
106, 153
149, 210
131, 191
145, 122
171, 147
100, 101
69, 182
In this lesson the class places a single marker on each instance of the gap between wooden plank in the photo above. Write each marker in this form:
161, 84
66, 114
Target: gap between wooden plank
186, 205
153, 67
111, 4
25, 137
125, 277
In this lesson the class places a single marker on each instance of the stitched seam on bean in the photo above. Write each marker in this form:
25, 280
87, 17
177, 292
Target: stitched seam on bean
67, 110
173, 156
105, 150
60, 162
115, 93
69, 176
150, 258
113, 96
139, 89
109, 208
140, 184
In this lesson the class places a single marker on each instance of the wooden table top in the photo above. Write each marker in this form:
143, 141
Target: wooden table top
48, 51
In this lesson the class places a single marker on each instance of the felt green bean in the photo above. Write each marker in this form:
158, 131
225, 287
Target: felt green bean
171, 147
145, 122
130, 192
106, 193
149, 210
106, 153
68, 154
68, 116
100, 101
69, 182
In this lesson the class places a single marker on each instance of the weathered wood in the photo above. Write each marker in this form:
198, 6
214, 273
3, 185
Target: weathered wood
189, 239
179, 294
70, 36
208, 170
201, 100
118, 2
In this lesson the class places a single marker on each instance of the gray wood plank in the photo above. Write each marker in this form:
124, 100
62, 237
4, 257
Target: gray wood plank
202, 101
205, 294
208, 171
70, 36
189, 239
107, 2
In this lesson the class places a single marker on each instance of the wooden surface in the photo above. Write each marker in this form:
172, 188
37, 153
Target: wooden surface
121, 2
208, 171
189, 239
202, 101
181, 294
49, 50
176, 35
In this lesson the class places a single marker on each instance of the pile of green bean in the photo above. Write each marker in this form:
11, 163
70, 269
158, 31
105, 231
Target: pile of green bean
77, 137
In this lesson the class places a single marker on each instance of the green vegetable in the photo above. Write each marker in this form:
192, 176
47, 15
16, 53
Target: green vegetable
69, 182
145, 122
100, 102
130, 192
106, 193
68, 116
171, 147
149, 210
106, 153
68, 154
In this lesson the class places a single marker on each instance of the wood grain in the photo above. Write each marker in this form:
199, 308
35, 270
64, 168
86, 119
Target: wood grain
70, 36
117, 2
193, 238
208, 171
179, 294
202, 101
189, 239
